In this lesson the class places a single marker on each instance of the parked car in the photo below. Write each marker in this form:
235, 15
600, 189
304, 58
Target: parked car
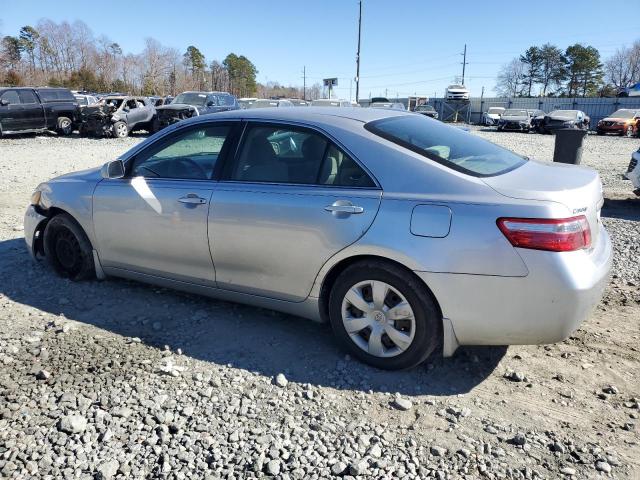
457, 92
330, 102
633, 172
37, 109
427, 111
297, 102
266, 103
378, 100
492, 116
564, 119
191, 104
354, 218
391, 105
631, 91
84, 100
624, 121
515, 119
245, 102
537, 117
117, 116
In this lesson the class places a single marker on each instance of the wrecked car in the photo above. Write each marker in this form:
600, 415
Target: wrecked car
117, 116
192, 104
564, 119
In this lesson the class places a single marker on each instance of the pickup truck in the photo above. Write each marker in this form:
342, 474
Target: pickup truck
37, 109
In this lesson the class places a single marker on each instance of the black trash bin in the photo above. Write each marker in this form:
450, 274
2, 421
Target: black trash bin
568, 147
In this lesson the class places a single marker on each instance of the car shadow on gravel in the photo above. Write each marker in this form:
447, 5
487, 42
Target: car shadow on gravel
224, 333
622, 208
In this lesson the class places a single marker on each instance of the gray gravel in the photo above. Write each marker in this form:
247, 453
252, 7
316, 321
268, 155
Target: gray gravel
118, 380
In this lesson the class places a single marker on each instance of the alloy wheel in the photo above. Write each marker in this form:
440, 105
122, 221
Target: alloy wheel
378, 318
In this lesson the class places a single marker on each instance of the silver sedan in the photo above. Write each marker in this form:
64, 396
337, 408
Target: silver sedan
406, 234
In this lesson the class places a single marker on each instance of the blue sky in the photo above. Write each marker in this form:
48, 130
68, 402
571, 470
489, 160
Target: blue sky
408, 46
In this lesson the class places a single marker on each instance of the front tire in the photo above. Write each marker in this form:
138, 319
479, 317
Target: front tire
629, 131
68, 249
120, 129
65, 126
384, 316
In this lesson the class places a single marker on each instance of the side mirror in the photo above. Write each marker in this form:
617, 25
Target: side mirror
4, 103
113, 169
210, 103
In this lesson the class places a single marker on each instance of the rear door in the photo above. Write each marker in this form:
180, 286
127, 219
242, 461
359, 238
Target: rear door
289, 200
33, 111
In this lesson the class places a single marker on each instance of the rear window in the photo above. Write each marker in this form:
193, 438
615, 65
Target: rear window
56, 95
449, 146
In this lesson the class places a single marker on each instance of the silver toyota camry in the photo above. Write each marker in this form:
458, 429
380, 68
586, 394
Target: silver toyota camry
407, 235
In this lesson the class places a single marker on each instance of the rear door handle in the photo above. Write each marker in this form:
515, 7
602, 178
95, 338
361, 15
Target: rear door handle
192, 199
342, 206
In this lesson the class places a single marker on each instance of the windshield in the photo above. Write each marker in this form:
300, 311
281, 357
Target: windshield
514, 113
497, 111
195, 99
447, 145
623, 113
564, 113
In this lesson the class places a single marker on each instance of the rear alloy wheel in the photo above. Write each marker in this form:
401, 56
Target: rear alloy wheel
65, 126
629, 131
384, 316
120, 130
68, 249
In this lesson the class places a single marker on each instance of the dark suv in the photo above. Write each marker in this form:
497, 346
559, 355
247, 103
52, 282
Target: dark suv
37, 109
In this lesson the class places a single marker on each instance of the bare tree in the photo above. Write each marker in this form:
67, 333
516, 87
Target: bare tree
511, 79
623, 67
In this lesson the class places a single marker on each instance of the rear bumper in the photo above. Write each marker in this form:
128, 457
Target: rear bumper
32, 221
545, 306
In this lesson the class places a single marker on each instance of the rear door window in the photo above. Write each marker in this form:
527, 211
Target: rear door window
449, 146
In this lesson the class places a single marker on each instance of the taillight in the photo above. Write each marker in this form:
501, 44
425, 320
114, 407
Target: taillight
552, 234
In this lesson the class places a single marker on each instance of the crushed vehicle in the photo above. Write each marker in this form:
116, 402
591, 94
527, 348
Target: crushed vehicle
193, 104
624, 121
515, 119
32, 110
564, 119
117, 116
633, 172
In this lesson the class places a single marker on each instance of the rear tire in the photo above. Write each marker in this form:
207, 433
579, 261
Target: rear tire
416, 326
64, 126
68, 249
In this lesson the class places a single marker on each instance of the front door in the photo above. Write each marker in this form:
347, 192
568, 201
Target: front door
289, 201
154, 221
11, 111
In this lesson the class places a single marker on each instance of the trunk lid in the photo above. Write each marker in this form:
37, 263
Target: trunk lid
578, 188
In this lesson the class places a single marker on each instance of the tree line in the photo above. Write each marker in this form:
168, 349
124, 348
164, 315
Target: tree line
70, 55
577, 71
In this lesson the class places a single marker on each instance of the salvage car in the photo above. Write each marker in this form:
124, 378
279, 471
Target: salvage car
246, 101
267, 103
633, 172
192, 104
624, 121
391, 105
407, 235
330, 102
29, 110
492, 116
515, 119
457, 92
426, 110
564, 119
117, 116
84, 100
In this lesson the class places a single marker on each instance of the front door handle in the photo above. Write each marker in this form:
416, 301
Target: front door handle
192, 199
342, 206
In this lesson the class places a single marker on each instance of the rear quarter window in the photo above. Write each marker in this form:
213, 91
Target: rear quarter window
449, 146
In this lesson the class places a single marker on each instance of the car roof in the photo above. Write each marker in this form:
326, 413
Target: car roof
310, 114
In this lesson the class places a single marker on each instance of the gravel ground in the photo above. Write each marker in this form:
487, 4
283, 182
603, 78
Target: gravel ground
177, 386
